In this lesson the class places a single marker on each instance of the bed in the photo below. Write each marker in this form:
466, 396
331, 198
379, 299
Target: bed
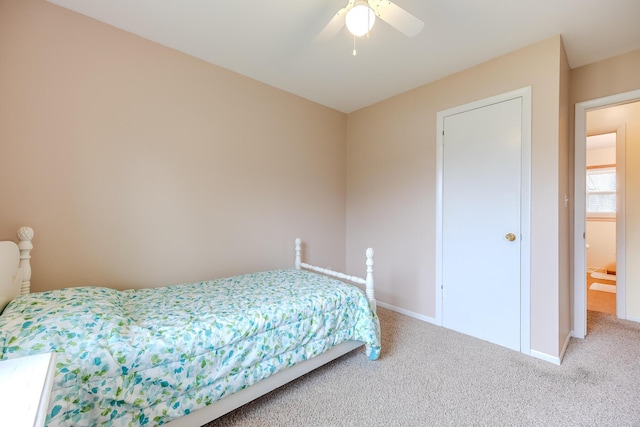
181, 355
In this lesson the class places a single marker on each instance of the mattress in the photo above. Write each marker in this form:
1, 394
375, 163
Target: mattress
145, 357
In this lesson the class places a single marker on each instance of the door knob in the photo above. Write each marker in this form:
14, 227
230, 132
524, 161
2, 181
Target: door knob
510, 237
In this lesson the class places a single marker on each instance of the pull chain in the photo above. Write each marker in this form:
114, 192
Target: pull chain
368, 31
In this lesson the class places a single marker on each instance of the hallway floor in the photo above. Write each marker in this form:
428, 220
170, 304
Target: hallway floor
604, 302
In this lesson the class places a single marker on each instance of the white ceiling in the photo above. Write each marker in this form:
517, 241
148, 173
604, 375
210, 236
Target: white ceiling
272, 41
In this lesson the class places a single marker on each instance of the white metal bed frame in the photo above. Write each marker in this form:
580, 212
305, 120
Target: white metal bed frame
20, 283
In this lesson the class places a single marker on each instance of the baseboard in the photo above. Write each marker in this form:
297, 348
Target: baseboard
544, 356
407, 313
556, 360
633, 319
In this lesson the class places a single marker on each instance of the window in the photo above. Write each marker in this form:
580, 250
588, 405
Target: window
601, 192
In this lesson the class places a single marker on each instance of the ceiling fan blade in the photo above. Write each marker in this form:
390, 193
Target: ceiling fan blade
333, 27
397, 17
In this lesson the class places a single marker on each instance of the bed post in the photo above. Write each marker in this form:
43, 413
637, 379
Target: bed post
369, 279
25, 234
298, 257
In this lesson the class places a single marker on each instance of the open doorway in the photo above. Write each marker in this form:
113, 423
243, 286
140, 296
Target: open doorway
622, 113
600, 214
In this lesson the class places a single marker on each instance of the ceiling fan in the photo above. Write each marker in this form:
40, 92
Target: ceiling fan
359, 17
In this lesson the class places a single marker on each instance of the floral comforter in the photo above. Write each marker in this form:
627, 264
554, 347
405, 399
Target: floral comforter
145, 357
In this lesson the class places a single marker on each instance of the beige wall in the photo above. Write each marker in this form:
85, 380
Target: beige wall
608, 77
601, 238
140, 166
391, 189
627, 116
600, 156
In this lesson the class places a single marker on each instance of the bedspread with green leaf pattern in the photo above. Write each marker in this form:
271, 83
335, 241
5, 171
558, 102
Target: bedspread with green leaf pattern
145, 357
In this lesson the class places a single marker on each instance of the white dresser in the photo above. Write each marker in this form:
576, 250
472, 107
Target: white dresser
25, 387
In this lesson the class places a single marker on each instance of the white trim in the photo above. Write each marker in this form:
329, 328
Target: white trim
580, 225
525, 219
621, 223
525, 225
439, 194
579, 213
408, 313
553, 359
546, 357
633, 319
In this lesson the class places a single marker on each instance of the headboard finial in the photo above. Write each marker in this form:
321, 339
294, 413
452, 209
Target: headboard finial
25, 234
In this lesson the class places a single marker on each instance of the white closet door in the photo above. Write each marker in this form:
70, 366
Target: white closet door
481, 222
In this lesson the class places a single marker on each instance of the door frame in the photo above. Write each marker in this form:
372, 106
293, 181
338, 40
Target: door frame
525, 200
579, 213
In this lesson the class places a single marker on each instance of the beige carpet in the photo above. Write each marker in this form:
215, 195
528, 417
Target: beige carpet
431, 376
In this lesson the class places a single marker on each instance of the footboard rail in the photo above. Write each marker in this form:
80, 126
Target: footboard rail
367, 282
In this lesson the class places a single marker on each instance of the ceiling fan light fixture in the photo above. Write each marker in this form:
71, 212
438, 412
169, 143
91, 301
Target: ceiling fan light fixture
360, 19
